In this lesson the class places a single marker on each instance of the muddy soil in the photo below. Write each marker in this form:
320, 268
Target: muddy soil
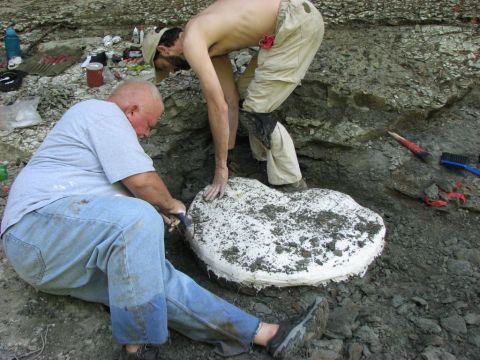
419, 300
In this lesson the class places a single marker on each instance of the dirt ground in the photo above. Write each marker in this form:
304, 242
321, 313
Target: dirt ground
419, 300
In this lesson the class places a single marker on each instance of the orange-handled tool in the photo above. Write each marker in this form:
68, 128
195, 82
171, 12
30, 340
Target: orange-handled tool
414, 148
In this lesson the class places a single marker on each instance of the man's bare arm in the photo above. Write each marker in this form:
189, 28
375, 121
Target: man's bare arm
150, 187
223, 68
196, 53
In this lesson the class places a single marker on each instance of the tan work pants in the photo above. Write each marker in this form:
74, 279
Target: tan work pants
273, 75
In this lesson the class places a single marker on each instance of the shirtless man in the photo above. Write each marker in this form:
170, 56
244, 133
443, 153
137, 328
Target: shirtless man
289, 33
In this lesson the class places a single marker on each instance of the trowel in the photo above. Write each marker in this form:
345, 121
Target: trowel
187, 225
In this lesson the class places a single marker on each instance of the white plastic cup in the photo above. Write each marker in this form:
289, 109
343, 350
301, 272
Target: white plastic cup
107, 41
14, 62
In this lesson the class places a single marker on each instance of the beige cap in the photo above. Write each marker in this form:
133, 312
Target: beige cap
149, 49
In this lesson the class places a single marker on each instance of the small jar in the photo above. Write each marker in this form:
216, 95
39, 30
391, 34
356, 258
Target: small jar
94, 74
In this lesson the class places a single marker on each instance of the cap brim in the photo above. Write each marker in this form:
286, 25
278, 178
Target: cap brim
149, 49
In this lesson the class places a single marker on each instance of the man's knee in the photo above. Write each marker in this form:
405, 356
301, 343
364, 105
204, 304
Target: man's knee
26, 259
260, 125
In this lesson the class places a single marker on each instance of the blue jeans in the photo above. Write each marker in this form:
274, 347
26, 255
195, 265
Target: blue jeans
110, 249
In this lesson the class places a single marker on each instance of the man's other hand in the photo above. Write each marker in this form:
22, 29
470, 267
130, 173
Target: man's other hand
170, 221
169, 216
217, 189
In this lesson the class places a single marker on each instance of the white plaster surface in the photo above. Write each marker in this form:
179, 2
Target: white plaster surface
257, 236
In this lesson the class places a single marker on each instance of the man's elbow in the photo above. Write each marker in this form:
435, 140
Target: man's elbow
220, 109
139, 182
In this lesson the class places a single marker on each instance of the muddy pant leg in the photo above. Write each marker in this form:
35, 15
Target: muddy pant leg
201, 315
282, 162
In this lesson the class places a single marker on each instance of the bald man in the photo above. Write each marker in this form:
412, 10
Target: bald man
289, 33
81, 220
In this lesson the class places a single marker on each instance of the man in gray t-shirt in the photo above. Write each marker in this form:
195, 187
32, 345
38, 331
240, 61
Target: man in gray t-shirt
81, 220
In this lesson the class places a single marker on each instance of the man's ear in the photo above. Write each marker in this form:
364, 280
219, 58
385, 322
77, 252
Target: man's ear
163, 50
131, 110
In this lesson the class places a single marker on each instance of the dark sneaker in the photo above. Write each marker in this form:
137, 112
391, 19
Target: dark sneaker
295, 332
300, 185
145, 352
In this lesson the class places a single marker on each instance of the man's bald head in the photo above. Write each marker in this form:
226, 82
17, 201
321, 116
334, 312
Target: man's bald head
139, 92
141, 103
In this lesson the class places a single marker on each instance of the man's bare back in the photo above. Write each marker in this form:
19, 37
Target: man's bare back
229, 25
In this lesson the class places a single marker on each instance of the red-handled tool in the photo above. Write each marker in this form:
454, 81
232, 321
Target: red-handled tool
414, 148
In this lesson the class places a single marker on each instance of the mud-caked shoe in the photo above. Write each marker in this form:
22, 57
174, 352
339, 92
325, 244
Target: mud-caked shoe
293, 333
145, 352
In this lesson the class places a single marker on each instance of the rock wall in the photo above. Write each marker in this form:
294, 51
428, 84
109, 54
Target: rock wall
115, 14
368, 79
394, 11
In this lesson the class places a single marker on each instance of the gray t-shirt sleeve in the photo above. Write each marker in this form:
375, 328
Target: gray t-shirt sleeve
116, 145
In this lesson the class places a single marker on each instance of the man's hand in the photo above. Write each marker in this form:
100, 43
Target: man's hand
219, 184
170, 221
169, 217
150, 187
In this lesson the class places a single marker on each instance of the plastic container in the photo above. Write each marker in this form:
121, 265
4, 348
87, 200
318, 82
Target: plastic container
94, 74
12, 43
108, 40
3, 172
99, 57
136, 36
142, 35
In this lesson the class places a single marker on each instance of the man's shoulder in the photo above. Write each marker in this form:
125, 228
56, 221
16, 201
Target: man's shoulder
95, 107
92, 113
95, 103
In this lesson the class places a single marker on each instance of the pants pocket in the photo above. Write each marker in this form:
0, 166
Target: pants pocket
26, 259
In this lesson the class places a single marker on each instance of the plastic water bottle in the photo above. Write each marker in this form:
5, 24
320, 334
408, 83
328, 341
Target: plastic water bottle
136, 36
3, 173
142, 34
12, 43
4, 189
